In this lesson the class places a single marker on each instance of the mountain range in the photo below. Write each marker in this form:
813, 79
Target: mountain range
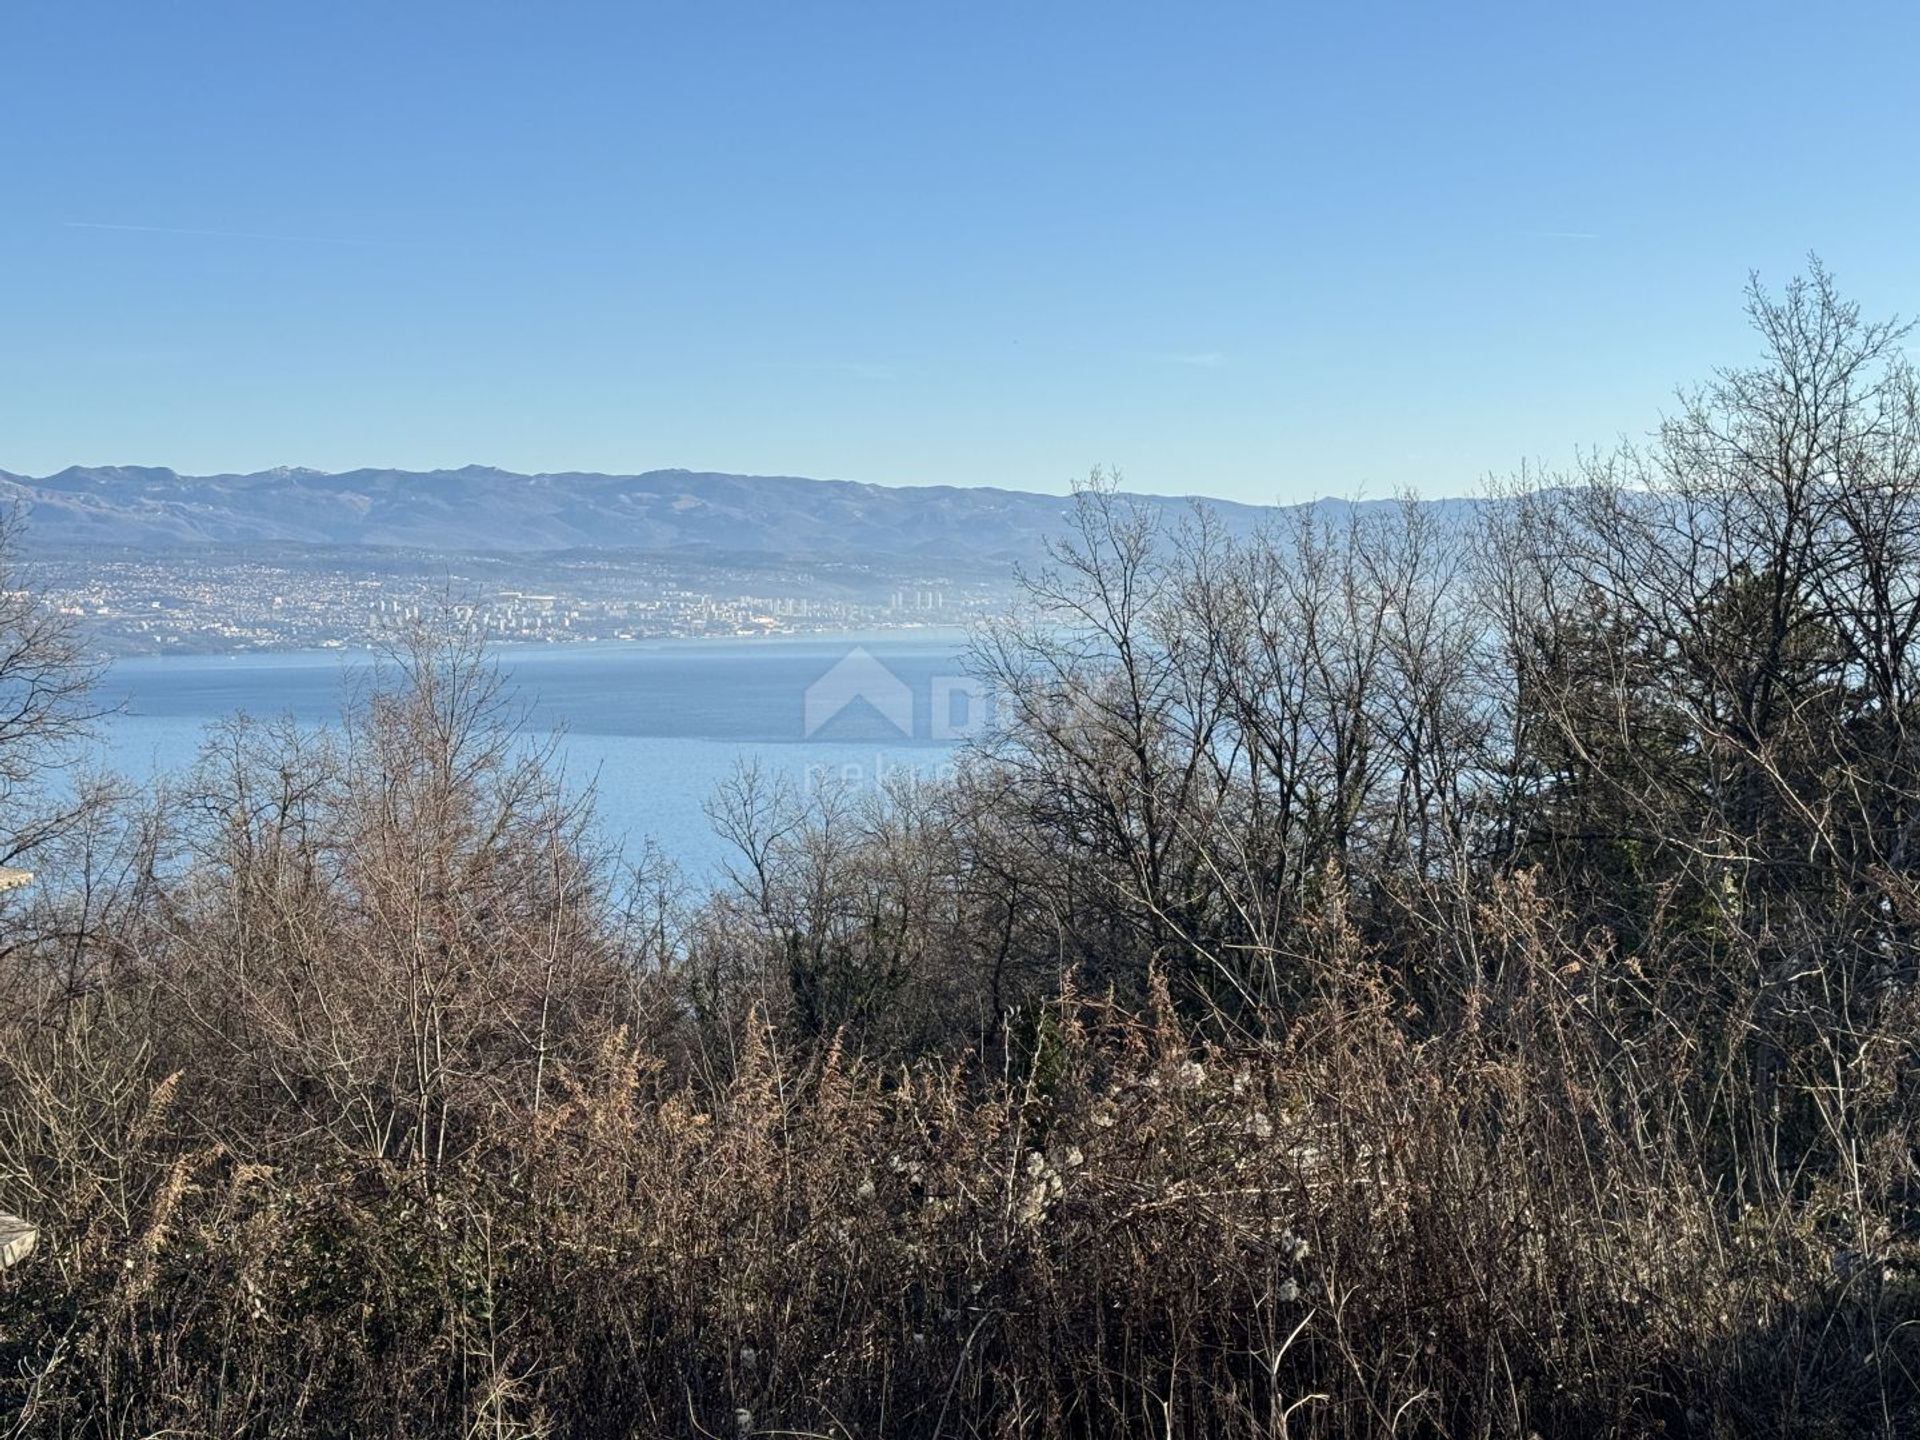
482, 509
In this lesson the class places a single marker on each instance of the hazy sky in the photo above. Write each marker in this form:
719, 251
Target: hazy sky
1261, 251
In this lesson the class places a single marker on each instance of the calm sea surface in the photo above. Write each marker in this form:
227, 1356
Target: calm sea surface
652, 726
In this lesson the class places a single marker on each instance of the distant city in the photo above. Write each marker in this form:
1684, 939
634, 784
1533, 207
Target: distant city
206, 599
156, 561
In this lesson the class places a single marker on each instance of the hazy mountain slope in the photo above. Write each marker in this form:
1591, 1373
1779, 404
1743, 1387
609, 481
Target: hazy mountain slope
484, 509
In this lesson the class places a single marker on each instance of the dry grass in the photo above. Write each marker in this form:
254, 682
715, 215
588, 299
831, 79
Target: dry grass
1504, 1226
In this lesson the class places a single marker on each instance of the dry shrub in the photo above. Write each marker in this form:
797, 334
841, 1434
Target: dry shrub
1367, 1225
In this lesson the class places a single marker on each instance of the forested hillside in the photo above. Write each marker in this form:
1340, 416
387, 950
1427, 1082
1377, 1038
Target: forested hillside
1379, 977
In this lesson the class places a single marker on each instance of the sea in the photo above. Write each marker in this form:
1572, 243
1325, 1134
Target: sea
652, 727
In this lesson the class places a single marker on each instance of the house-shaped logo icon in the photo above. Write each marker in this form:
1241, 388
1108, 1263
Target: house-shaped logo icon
859, 677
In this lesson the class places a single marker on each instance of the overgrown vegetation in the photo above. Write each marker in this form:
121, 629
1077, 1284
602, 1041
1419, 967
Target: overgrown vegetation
1404, 976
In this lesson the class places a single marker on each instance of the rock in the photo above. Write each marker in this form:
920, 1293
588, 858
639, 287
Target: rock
16, 1239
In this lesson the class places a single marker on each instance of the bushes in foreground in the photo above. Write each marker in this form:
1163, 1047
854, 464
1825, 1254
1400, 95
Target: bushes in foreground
1500, 1228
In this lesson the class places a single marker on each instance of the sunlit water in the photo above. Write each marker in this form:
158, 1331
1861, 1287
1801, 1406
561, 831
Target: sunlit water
654, 727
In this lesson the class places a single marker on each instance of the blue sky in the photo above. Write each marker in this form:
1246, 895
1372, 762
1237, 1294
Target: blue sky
1258, 251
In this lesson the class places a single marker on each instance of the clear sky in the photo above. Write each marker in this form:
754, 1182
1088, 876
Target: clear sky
1259, 251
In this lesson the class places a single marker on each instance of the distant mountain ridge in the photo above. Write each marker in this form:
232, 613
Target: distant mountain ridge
480, 508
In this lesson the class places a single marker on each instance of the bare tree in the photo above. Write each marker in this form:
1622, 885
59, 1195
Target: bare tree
47, 708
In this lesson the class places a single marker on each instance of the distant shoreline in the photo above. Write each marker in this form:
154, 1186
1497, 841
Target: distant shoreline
524, 649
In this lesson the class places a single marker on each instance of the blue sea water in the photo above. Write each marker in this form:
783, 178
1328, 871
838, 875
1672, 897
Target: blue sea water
654, 726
